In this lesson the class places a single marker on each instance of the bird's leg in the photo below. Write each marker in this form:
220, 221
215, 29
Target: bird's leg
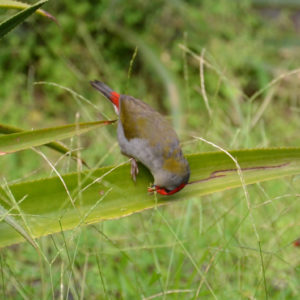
134, 169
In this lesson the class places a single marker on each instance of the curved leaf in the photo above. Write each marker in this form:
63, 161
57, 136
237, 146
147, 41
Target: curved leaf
109, 193
22, 5
32, 138
58, 146
15, 20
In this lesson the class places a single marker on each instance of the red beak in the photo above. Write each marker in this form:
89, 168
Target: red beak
163, 191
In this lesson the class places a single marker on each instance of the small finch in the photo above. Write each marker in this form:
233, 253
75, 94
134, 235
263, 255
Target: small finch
145, 136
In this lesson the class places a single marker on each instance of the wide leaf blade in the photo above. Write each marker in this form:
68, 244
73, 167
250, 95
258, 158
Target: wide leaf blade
22, 5
57, 146
15, 20
109, 193
27, 139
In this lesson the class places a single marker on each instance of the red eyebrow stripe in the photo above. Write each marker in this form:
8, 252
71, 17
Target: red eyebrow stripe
114, 97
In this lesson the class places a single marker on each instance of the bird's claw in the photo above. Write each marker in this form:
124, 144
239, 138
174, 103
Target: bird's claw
134, 169
151, 189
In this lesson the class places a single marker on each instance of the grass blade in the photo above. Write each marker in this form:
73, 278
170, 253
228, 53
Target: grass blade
9, 220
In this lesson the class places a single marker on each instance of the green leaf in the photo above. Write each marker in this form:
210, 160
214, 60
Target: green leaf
15, 20
4, 216
22, 5
58, 146
109, 193
27, 139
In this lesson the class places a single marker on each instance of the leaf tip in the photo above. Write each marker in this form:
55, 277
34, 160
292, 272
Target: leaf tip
107, 122
48, 15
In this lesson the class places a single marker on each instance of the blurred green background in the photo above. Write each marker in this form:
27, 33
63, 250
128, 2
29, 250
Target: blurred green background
200, 248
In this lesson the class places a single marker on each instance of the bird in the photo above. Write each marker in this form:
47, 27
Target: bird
144, 135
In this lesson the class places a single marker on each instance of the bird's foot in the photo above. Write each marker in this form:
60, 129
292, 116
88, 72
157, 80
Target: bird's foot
134, 169
151, 188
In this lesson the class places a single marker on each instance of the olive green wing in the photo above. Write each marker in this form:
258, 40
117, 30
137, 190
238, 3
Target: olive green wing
139, 120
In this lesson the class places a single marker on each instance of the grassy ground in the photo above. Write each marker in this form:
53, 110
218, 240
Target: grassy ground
208, 248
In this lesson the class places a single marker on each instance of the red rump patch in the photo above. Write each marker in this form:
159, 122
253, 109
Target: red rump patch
114, 97
297, 243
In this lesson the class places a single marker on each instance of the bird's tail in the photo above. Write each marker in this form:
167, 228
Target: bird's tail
107, 92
